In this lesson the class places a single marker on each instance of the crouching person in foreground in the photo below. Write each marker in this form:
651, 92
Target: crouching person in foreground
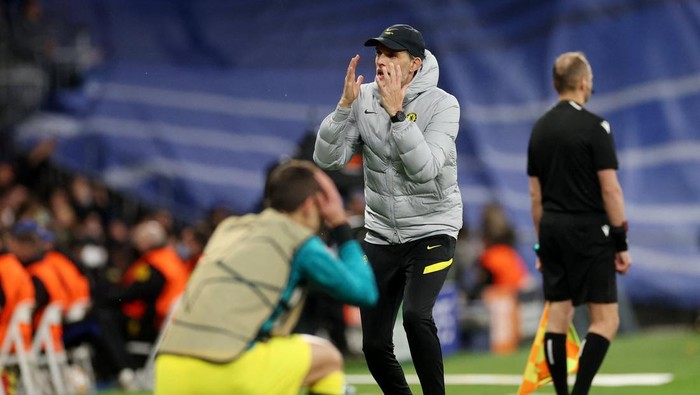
231, 331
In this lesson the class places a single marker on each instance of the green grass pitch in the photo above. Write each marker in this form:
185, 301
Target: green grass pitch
658, 351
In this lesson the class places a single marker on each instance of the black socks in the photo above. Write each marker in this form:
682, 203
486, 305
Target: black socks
555, 354
594, 349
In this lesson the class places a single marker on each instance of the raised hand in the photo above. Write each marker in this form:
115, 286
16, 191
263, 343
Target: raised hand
352, 86
329, 201
391, 89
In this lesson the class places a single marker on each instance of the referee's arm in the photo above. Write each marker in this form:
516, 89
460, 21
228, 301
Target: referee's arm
615, 208
536, 203
612, 196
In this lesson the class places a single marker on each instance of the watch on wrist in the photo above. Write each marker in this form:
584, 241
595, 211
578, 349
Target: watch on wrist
400, 116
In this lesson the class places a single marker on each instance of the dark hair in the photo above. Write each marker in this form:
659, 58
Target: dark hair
290, 184
568, 69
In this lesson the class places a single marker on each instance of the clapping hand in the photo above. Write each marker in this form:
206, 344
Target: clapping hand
351, 89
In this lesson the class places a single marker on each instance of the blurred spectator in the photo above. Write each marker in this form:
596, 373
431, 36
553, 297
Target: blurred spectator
44, 55
15, 286
90, 198
118, 248
11, 203
151, 284
33, 208
497, 282
500, 264
64, 217
24, 83
62, 279
81, 196
103, 202
33, 168
76, 329
74, 281
7, 177
26, 243
165, 219
191, 245
32, 41
134, 309
91, 228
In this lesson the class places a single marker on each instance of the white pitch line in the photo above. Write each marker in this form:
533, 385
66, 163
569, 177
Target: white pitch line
602, 380
636, 379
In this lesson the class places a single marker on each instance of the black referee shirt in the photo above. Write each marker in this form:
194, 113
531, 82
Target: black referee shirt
567, 148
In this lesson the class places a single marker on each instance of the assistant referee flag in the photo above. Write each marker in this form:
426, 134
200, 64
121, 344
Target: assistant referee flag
536, 371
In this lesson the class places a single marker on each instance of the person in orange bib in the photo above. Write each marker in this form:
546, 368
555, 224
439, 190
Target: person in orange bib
76, 284
500, 264
26, 244
15, 287
151, 284
136, 308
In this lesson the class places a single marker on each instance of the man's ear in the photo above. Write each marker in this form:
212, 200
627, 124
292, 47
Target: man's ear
416, 64
583, 83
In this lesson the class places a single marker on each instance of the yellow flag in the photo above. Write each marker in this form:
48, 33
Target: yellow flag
536, 371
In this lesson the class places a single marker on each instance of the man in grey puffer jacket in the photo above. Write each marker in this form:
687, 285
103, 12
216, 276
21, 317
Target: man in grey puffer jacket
405, 127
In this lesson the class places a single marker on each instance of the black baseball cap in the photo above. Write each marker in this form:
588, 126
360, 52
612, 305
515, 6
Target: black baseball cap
400, 38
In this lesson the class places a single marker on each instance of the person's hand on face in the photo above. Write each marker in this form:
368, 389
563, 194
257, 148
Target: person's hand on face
390, 83
329, 202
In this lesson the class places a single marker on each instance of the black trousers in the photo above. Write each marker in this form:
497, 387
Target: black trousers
412, 273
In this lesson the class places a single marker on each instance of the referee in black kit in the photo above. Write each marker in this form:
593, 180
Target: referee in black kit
578, 213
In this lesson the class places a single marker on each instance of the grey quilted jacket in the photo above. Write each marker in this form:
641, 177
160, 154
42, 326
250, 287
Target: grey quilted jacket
410, 168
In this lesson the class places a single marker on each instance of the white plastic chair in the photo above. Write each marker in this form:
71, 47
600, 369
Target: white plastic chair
14, 351
145, 375
81, 355
49, 351
77, 311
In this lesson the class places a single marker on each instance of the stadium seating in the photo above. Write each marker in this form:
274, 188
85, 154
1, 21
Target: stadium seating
14, 351
144, 376
48, 351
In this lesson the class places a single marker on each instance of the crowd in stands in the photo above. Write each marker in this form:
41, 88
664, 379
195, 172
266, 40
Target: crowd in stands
82, 244
113, 265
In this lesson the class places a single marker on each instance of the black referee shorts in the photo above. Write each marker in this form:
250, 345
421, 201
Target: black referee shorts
578, 258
